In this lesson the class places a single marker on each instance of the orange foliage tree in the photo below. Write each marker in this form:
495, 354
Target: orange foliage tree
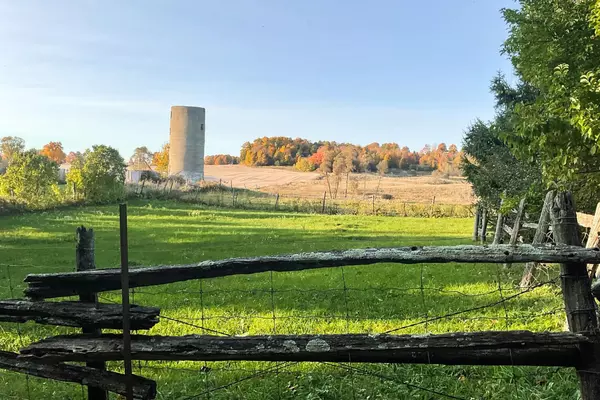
54, 151
221, 159
72, 156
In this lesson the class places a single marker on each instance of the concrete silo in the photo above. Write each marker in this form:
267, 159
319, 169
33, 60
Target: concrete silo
186, 139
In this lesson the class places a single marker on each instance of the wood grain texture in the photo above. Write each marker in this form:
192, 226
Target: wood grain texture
478, 348
144, 389
71, 313
72, 283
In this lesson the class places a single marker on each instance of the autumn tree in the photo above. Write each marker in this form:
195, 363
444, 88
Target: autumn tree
74, 176
10, 146
221, 159
54, 151
161, 159
281, 151
304, 164
72, 156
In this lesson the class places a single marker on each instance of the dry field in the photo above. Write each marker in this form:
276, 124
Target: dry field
290, 183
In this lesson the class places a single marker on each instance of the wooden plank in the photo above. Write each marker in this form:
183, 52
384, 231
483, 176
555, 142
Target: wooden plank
539, 238
77, 314
530, 225
517, 225
144, 389
592, 240
507, 229
476, 348
71, 283
585, 220
576, 289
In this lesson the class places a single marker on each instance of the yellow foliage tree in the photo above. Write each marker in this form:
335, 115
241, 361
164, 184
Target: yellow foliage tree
161, 159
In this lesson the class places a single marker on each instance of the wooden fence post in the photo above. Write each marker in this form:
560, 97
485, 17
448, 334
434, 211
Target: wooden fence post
432, 207
373, 204
276, 201
499, 224
516, 227
324, 197
518, 223
476, 225
538, 238
125, 299
484, 223
577, 295
85, 260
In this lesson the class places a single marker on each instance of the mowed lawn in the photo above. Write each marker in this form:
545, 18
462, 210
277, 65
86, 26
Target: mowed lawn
360, 299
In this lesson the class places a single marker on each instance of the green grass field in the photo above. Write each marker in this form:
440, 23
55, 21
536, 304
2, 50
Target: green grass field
361, 299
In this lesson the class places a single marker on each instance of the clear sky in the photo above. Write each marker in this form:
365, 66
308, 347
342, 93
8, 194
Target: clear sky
87, 72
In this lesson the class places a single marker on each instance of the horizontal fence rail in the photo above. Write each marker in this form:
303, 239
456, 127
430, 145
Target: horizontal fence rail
72, 283
113, 382
477, 348
77, 314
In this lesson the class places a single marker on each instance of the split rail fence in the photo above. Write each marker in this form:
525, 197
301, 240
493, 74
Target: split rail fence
50, 358
543, 231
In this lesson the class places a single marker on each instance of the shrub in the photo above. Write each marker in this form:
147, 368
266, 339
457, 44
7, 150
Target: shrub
30, 177
101, 174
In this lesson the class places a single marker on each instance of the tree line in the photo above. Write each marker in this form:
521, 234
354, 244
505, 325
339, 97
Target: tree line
32, 176
305, 155
546, 133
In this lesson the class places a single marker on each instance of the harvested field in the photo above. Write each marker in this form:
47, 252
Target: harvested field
288, 182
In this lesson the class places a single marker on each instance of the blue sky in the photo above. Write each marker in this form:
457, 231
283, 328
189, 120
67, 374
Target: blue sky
86, 72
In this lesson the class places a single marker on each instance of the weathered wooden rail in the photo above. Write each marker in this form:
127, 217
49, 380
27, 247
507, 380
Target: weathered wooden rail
477, 348
144, 389
72, 283
77, 314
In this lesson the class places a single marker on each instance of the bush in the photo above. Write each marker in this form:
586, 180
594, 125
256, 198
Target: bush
30, 178
100, 174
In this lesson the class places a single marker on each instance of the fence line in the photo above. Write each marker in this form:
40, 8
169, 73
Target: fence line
506, 347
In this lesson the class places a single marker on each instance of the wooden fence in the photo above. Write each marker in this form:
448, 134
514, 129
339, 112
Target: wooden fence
48, 358
543, 230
